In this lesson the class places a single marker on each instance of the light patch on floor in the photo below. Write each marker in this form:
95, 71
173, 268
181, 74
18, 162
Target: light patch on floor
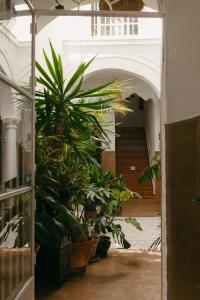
140, 240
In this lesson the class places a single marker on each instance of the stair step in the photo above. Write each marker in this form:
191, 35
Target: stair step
132, 143
131, 150
130, 129
142, 162
133, 155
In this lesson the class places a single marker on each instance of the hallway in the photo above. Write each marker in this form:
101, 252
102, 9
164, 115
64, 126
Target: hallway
124, 274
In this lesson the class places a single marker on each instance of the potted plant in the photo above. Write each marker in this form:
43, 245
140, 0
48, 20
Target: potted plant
106, 225
70, 126
112, 192
80, 250
103, 246
67, 128
81, 241
52, 219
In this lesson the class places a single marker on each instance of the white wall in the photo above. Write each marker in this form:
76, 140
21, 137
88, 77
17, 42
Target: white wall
148, 28
182, 59
15, 55
152, 130
137, 58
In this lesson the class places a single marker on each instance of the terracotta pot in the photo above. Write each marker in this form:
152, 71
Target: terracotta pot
93, 256
79, 238
89, 214
80, 255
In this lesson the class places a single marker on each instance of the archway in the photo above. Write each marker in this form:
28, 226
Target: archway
143, 72
145, 119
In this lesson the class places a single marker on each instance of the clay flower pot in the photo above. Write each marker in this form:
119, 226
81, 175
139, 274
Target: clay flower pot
90, 214
94, 244
80, 255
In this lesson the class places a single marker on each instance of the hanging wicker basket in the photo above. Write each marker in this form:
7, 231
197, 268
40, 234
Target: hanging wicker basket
121, 5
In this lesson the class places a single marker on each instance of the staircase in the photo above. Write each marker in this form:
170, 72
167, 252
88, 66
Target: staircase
131, 159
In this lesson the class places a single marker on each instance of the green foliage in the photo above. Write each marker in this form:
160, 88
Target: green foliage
153, 171
113, 193
70, 113
16, 222
67, 131
53, 219
134, 222
70, 126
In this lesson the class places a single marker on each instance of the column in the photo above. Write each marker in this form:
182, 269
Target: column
10, 149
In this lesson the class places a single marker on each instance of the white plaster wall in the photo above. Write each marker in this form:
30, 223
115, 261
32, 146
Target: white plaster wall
148, 28
152, 132
138, 58
71, 36
182, 85
15, 56
52, 32
15, 62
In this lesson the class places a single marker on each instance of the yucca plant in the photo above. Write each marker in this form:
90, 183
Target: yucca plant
71, 114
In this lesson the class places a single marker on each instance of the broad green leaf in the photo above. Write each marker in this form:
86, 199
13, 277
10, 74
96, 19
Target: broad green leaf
134, 222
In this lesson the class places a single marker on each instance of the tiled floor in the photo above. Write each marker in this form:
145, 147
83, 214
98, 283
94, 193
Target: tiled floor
140, 240
124, 274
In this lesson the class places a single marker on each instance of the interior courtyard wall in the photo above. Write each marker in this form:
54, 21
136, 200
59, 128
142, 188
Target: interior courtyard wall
181, 95
12, 56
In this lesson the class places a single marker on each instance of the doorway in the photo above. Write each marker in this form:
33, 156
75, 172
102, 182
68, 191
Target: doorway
56, 14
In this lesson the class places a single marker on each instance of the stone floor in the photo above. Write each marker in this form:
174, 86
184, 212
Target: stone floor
124, 274
140, 240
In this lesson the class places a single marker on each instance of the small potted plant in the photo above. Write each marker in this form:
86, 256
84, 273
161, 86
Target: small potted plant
80, 250
113, 193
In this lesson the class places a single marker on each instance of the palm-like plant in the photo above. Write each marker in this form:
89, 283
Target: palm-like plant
69, 112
